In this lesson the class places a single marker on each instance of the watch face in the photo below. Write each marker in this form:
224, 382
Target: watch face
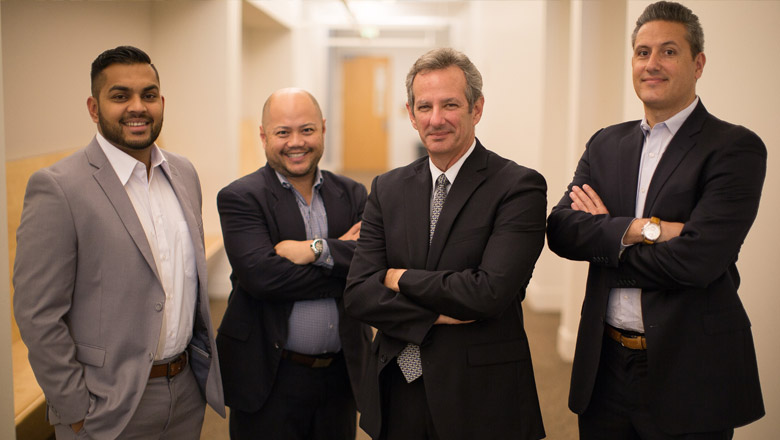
651, 231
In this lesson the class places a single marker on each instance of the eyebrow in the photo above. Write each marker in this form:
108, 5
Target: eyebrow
122, 88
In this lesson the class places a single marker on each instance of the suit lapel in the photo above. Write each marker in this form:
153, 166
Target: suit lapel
290, 222
333, 198
186, 203
470, 176
417, 203
117, 196
630, 152
681, 144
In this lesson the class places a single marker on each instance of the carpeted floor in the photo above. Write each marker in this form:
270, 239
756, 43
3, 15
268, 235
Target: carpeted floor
552, 380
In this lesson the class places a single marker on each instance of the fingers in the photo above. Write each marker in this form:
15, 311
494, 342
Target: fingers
586, 199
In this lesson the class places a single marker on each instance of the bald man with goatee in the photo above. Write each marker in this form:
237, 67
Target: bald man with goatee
290, 355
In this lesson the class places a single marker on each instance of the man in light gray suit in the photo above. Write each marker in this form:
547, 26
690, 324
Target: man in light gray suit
110, 273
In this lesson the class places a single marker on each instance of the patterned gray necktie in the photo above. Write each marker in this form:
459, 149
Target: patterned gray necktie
409, 358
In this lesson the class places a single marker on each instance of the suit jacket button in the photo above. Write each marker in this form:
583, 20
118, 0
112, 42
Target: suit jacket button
383, 359
276, 345
158, 307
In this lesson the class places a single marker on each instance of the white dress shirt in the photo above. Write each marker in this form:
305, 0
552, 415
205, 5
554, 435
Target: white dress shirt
624, 309
166, 229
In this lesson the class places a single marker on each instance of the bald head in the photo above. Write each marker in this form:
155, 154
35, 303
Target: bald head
287, 96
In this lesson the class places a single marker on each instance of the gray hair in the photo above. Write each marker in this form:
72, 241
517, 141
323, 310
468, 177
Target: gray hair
443, 58
677, 13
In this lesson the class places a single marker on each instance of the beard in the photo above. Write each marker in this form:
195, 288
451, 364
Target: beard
113, 133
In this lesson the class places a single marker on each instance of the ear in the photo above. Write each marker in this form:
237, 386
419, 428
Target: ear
410, 111
92, 107
262, 136
477, 111
700, 60
323, 126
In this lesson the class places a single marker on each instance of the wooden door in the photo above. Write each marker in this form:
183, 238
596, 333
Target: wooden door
365, 99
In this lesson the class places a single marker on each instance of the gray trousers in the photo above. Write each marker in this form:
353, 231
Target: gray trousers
169, 409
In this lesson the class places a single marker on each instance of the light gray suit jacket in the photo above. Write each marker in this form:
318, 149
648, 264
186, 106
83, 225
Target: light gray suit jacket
88, 300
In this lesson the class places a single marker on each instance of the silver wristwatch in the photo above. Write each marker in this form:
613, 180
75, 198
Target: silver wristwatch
316, 247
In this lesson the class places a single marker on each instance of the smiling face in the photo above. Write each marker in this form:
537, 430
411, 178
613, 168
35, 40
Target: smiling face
442, 116
664, 70
129, 107
293, 135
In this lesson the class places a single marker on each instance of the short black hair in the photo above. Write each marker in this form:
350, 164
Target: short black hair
118, 55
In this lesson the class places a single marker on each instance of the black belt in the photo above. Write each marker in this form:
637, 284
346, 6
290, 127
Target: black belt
320, 361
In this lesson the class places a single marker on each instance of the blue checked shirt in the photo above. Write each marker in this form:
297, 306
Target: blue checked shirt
313, 327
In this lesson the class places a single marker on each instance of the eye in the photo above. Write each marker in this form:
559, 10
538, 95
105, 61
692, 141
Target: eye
118, 97
150, 96
281, 133
308, 130
642, 53
424, 108
669, 52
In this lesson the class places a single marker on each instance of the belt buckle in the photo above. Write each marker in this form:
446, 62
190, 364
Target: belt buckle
321, 363
175, 367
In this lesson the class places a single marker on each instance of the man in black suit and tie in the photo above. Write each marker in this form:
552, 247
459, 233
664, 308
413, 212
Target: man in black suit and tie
660, 208
447, 247
290, 357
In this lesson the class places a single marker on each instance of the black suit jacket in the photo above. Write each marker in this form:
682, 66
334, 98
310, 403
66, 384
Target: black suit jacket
478, 377
256, 213
701, 360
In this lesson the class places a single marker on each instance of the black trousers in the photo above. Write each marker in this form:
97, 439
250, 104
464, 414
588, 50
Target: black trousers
305, 404
618, 409
405, 413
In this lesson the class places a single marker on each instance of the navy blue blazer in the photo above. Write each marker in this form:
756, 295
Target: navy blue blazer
701, 360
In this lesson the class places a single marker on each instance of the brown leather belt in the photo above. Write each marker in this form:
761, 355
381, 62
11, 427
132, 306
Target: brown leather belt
309, 361
634, 342
170, 369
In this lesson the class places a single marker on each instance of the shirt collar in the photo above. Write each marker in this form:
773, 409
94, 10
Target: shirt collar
452, 172
124, 164
287, 185
675, 122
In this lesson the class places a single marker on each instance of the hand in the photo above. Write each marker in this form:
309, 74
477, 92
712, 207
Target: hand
76, 427
353, 233
392, 277
446, 320
299, 252
585, 199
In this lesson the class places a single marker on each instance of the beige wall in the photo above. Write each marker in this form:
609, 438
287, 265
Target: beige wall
7, 429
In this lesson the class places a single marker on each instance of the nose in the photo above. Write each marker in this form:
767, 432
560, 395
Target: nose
653, 62
136, 104
437, 116
296, 139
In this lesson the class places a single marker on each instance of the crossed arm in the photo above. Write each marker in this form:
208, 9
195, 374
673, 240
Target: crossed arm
586, 199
